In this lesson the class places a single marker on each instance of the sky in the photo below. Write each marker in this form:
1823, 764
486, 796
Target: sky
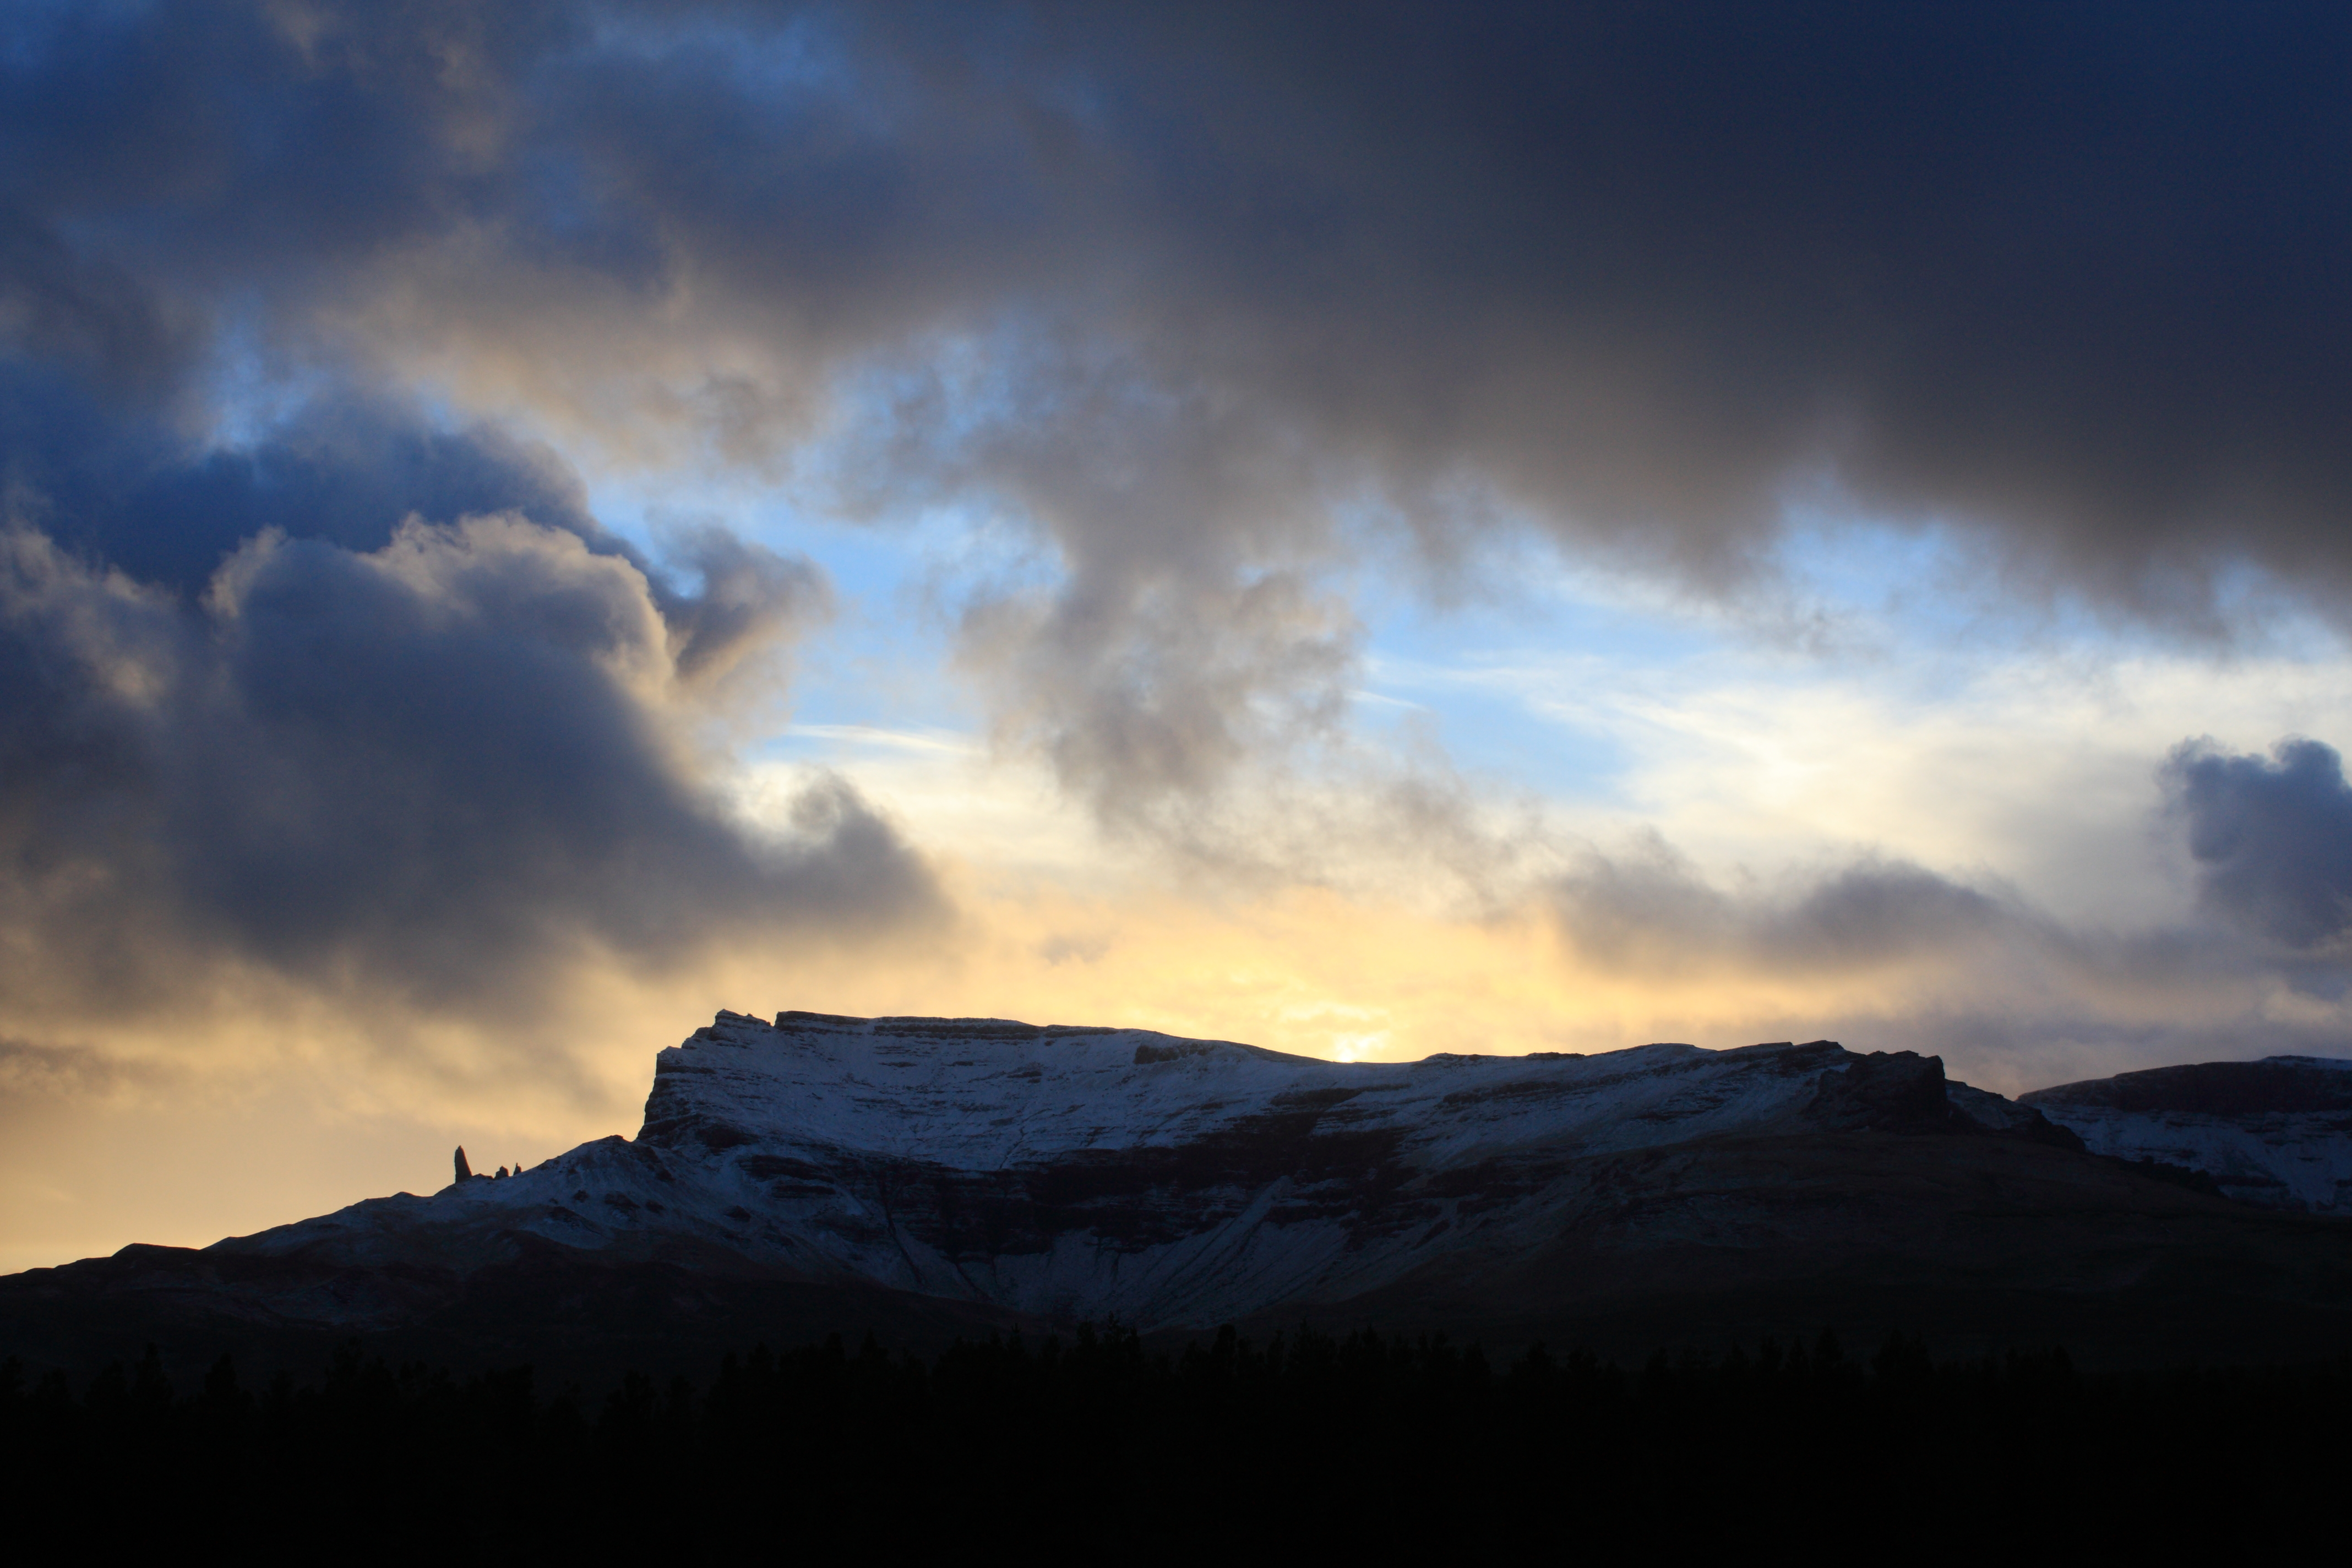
1369, 530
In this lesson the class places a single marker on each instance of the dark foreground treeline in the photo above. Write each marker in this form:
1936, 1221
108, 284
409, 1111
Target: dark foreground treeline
1096, 1444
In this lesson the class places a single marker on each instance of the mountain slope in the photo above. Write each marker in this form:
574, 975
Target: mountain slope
2275, 1132
1077, 1173
947, 1176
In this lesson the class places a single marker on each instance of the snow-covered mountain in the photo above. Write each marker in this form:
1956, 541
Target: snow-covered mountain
1077, 1173
934, 1178
2276, 1132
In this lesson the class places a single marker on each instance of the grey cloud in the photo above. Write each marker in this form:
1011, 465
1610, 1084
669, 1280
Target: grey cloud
119, 485
445, 770
1878, 909
84, 312
1193, 628
2062, 273
749, 598
1236, 276
1146, 697
2011, 999
2272, 836
1646, 906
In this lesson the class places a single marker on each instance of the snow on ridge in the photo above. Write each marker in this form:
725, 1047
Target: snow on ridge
984, 1093
2275, 1131
773, 1142
1079, 1171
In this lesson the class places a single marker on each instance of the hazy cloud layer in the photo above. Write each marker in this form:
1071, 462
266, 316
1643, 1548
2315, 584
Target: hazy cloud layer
1651, 909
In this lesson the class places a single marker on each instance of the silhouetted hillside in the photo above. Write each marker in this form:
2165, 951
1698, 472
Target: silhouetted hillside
1303, 1443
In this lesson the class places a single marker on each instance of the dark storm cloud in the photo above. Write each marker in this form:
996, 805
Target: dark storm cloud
2272, 835
445, 769
364, 699
2067, 271
82, 311
1224, 279
128, 490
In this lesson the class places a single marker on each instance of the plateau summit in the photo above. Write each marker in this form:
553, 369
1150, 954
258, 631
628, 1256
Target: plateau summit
1093, 1172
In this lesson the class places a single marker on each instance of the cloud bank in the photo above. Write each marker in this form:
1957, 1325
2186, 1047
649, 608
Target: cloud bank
439, 771
1193, 291
329, 330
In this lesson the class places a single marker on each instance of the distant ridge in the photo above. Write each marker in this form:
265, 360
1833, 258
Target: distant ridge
2276, 1132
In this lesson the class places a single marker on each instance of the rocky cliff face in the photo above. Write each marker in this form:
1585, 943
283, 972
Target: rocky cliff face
2275, 1132
1078, 1172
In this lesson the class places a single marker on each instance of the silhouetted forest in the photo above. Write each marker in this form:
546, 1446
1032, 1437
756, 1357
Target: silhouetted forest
1097, 1442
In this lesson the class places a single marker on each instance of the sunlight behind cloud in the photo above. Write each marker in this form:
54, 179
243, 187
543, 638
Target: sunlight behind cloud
1368, 534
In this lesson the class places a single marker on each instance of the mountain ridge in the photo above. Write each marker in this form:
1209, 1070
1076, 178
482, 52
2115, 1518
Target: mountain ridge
1089, 1171
951, 1176
2275, 1132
